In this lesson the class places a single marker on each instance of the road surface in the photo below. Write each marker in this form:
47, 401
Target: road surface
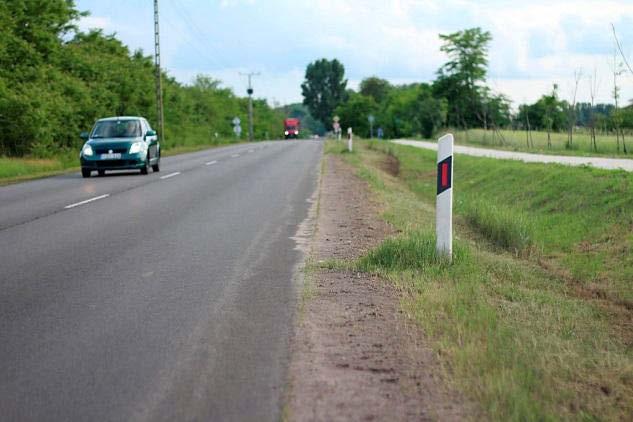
598, 162
161, 297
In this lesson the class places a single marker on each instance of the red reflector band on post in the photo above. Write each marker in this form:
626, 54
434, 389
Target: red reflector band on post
444, 175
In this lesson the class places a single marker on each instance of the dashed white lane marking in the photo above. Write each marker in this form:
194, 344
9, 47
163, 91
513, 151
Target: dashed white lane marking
251, 150
235, 155
210, 163
167, 176
96, 198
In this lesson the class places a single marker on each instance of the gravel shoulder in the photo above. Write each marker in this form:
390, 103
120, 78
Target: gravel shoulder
356, 355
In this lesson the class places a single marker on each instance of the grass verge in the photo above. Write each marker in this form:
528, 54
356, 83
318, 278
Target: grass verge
518, 331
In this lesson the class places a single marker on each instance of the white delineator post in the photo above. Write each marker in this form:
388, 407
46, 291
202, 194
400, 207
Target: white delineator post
444, 201
350, 135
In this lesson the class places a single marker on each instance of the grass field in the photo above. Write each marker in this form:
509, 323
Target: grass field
20, 169
516, 141
533, 319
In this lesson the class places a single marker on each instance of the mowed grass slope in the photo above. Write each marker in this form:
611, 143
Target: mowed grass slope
575, 220
516, 140
533, 317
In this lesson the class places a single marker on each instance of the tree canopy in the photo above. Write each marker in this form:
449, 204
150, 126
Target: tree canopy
324, 88
56, 81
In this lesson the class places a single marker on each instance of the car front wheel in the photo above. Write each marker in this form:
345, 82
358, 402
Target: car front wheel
85, 173
156, 167
145, 168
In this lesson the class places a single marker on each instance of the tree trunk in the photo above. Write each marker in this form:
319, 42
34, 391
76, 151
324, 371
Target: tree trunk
528, 134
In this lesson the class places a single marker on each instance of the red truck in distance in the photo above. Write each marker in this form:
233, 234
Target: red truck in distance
291, 128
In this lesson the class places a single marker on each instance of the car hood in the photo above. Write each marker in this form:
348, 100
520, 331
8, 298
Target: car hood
113, 142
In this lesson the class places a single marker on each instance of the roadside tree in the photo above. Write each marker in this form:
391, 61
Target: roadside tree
324, 88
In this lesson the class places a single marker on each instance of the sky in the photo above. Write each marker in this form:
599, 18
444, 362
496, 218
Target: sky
536, 43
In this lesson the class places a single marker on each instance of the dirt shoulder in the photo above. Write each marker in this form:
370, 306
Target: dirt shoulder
356, 355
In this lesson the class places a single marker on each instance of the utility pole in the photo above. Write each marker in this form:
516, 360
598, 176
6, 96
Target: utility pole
249, 91
159, 79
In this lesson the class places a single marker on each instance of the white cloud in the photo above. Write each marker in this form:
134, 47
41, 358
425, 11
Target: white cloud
87, 23
535, 43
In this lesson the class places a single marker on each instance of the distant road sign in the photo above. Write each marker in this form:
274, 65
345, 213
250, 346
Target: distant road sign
336, 126
336, 119
236, 121
371, 118
237, 129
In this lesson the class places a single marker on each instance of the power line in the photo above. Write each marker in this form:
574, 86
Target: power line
195, 34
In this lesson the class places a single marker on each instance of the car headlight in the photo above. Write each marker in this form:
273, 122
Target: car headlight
137, 147
286, 132
87, 151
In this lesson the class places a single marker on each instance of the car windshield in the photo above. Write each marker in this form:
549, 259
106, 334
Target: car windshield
117, 129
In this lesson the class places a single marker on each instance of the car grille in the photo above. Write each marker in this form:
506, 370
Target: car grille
114, 163
114, 150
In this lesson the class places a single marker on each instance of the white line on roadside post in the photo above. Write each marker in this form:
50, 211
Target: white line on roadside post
350, 136
444, 200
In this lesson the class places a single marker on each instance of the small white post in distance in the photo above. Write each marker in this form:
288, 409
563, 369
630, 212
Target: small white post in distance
444, 200
350, 135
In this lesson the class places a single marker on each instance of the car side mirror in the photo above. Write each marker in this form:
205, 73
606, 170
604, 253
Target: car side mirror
84, 135
150, 133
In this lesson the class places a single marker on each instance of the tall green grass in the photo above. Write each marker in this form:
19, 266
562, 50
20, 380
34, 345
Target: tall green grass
15, 169
505, 227
416, 250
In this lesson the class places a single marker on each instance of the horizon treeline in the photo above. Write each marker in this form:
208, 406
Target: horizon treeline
458, 98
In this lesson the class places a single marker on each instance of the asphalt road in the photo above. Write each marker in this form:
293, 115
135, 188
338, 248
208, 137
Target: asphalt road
165, 297
598, 162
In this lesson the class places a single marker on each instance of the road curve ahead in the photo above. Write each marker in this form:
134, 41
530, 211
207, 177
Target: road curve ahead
161, 297
598, 162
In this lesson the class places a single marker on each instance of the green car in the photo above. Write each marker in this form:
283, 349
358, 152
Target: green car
120, 143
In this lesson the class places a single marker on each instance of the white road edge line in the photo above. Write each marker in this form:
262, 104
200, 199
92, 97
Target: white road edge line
96, 198
167, 176
210, 163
